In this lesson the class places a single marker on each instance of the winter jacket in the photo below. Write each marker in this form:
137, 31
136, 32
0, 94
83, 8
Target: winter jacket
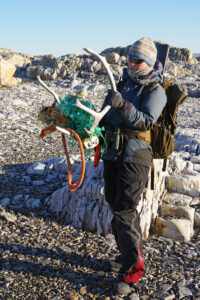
140, 117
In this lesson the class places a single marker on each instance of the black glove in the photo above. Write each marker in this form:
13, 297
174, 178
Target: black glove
115, 100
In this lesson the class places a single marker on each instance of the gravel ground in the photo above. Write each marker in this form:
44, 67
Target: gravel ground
42, 258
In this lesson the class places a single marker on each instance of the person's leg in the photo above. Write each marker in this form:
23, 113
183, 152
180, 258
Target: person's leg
110, 187
110, 181
130, 184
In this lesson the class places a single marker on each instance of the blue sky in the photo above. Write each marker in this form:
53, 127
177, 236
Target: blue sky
60, 27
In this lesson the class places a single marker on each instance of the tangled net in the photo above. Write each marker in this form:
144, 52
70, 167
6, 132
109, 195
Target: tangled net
78, 118
77, 122
66, 115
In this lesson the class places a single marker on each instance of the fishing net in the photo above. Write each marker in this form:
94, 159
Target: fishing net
66, 115
78, 118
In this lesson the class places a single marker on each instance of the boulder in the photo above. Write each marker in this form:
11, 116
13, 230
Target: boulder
49, 60
18, 60
182, 54
185, 212
196, 167
176, 229
31, 72
9, 62
184, 184
195, 159
112, 58
87, 207
177, 199
7, 72
37, 168
177, 69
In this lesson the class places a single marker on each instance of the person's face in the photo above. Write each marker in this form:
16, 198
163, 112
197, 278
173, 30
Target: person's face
137, 64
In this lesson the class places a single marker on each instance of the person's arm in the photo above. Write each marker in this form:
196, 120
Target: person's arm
151, 108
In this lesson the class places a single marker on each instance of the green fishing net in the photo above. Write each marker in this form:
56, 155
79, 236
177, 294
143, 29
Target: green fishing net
79, 120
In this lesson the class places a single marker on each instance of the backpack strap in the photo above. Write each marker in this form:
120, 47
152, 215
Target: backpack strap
145, 92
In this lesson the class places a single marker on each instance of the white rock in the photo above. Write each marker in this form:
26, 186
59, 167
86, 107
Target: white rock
18, 60
87, 207
195, 159
185, 212
177, 199
196, 167
7, 72
177, 229
184, 184
8, 216
195, 201
37, 168
178, 162
18, 102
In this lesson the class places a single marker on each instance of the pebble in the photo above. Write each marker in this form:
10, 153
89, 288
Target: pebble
8, 217
184, 292
4, 202
123, 289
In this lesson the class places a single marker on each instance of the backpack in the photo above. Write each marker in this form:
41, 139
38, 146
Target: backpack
163, 131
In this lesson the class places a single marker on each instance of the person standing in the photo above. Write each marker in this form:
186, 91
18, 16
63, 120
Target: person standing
128, 157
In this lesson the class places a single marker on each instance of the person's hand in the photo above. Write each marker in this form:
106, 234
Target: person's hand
114, 99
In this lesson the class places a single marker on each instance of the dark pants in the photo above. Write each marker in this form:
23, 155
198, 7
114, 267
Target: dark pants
124, 184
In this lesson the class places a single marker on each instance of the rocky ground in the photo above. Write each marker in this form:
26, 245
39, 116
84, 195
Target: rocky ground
43, 258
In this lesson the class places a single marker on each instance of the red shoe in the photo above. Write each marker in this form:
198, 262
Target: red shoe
136, 273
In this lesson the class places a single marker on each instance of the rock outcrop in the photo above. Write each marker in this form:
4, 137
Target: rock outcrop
17, 67
170, 210
9, 62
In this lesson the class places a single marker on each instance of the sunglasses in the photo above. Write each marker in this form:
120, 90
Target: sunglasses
136, 61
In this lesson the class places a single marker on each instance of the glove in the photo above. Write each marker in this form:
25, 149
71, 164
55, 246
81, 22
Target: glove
115, 100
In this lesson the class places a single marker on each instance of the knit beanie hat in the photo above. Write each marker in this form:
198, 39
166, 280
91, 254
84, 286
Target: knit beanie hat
144, 49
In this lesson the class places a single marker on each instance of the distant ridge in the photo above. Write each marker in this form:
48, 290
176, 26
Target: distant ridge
196, 54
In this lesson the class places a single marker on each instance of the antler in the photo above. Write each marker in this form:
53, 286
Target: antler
48, 89
98, 116
106, 66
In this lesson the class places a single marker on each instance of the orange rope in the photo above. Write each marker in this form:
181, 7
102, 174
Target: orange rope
97, 155
74, 186
46, 131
